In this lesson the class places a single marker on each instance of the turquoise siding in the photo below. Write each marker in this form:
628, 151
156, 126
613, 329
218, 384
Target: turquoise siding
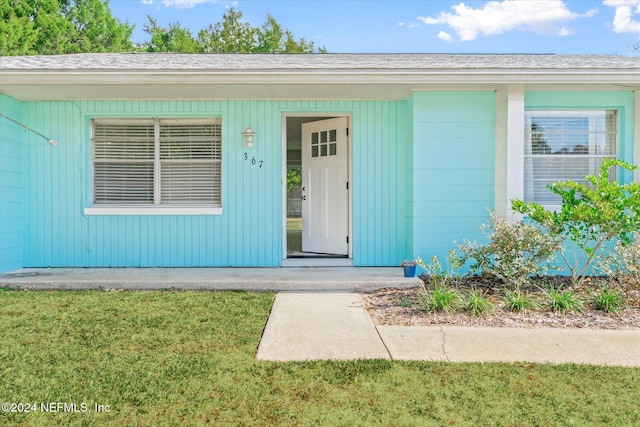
621, 101
249, 232
453, 164
380, 150
11, 186
422, 179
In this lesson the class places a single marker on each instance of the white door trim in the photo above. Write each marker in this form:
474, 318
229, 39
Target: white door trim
327, 115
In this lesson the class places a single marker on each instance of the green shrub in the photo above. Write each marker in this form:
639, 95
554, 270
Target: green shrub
517, 301
477, 303
405, 302
436, 274
515, 251
622, 264
440, 299
563, 301
294, 177
592, 214
608, 300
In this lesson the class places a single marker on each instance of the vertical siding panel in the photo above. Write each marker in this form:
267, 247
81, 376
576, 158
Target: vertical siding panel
368, 159
150, 256
101, 242
388, 180
262, 184
236, 187
57, 203
44, 188
253, 187
12, 179
31, 161
133, 231
385, 178
181, 241
360, 190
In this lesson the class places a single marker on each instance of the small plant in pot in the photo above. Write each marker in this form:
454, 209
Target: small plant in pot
409, 268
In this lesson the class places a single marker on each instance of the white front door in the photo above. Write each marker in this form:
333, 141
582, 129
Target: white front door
325, 194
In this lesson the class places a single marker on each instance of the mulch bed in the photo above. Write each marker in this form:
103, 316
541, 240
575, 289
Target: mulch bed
393, 306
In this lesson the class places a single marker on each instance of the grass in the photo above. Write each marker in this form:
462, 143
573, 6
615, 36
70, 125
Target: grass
440, 299
294, 224
608, 300
518, 302
477, 303
563, 301
187, 358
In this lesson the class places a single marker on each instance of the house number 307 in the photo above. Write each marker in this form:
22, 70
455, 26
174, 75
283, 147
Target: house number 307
254, 162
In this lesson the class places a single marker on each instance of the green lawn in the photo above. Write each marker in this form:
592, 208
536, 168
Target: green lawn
187, 358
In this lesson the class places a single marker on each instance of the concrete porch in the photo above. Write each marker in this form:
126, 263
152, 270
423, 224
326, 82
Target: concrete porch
255, 279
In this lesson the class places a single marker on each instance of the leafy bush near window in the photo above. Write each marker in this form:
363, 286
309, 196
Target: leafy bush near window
514, 251
592, 214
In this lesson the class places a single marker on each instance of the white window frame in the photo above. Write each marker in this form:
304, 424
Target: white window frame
157, 208
591, 157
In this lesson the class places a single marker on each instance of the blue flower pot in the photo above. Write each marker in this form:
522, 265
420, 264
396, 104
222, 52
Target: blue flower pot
409, 270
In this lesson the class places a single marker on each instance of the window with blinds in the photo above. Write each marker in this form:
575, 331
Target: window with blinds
565, 145
175, 162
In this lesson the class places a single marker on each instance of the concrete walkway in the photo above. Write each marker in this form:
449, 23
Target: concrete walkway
314, 326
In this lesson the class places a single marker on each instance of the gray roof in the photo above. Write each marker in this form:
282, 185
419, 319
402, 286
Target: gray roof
302, 76
330, 62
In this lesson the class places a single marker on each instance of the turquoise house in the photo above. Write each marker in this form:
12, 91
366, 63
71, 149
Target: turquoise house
170, 160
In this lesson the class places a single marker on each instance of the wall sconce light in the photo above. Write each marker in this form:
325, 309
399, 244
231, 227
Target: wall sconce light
248, 136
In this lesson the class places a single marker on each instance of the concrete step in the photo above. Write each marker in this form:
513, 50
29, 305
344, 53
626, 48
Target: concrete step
261, 279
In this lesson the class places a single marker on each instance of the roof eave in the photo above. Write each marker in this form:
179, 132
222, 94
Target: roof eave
292, 84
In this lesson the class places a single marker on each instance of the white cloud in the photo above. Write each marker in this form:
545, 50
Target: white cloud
147, 1
626, 11
443, 35
566, 32
410, 25
496, 17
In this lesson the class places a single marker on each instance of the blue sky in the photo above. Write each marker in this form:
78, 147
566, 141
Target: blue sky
469, 26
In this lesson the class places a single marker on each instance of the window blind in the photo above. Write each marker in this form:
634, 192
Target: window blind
565, 145
123, 156
190, 163
157, 162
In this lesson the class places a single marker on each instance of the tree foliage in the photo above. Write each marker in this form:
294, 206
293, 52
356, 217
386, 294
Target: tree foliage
51, 27
174, 38
48, 27
231, 35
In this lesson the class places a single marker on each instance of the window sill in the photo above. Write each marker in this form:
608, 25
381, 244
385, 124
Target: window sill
151, 210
